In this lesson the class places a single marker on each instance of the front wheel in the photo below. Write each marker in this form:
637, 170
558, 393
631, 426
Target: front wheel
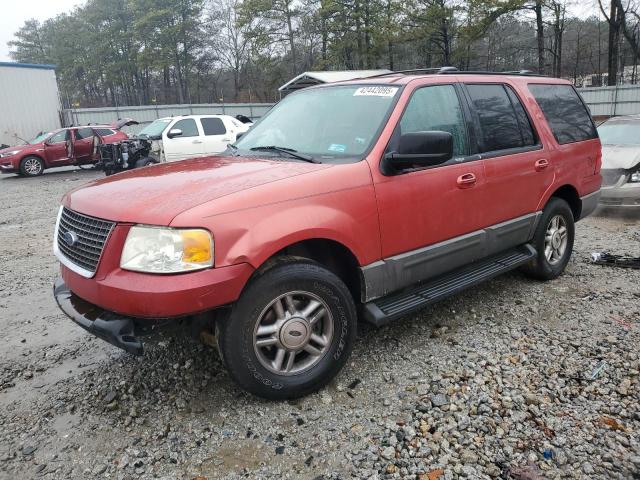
553, 241
291, 331
31, 166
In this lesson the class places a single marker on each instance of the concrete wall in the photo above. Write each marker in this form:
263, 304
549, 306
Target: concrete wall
148, 113
29, 101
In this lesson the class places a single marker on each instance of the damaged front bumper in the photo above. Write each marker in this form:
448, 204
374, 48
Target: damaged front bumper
116, 329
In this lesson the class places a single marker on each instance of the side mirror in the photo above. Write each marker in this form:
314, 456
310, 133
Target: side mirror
419, 149
174, 132
239, 134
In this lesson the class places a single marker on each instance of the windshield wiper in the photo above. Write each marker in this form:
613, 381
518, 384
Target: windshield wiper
289, 151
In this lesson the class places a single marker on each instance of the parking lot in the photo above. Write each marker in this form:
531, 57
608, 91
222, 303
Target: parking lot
512, 379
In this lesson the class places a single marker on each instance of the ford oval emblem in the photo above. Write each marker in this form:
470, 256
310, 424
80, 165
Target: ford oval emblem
70, 238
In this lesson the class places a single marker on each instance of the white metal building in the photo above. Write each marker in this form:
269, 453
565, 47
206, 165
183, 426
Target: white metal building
29, 101
308, 79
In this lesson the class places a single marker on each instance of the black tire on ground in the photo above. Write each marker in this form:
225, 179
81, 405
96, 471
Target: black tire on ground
143, 162
280, 296
543, 268
31, 166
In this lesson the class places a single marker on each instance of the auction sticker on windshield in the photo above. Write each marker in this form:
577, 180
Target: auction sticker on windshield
378, 91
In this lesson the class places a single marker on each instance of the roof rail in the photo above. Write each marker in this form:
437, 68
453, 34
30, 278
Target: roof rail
453, 70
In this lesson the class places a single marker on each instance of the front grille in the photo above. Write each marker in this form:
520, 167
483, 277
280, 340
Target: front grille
90, 235
611, 176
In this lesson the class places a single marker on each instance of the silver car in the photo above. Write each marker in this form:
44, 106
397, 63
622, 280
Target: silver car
620, 137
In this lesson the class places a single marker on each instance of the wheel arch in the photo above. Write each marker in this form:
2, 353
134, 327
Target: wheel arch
330, 253
569, 194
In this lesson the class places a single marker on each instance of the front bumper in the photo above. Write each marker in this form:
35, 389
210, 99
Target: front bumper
118, 330
623, 196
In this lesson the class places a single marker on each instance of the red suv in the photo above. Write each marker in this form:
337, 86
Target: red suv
365, 199
60, 148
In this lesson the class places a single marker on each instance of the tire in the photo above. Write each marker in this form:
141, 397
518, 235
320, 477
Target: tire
143, 162
31, 166
543, 267
294, 285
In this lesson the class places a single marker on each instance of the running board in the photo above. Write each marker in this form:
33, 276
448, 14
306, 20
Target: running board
386, 309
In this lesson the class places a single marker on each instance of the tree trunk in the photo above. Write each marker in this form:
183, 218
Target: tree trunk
614, 40
540, 36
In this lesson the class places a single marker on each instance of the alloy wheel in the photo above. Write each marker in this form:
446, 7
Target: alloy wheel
555, 239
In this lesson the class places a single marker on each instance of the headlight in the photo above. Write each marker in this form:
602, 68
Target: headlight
166, 250
635, 177
9, 154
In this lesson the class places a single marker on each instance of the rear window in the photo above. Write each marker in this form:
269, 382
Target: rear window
567, 116
503, 121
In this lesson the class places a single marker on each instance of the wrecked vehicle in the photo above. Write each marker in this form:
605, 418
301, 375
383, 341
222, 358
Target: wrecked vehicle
125, 155
59, 148
620, 137
189, 136
354, 201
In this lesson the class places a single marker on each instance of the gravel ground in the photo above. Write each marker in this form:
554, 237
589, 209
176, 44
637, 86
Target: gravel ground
513, 379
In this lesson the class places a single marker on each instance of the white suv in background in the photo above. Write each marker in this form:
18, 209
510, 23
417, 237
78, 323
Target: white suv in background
189, 136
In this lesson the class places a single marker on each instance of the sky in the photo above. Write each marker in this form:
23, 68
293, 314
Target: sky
15, 12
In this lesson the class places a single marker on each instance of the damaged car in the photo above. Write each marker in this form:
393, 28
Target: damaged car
620, 137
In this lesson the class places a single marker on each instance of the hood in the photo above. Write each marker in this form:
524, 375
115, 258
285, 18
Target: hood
123, 122
615, 157
156, 194
19, 148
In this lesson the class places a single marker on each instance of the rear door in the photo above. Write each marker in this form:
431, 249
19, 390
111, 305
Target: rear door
188, 144
518, 168
216, 137
83, 144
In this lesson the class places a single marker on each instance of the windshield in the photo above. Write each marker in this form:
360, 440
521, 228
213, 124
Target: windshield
39, 138
325, 123
619, 133
155, 128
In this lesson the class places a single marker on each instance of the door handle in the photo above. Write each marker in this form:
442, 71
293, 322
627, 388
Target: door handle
541, 164
197, 141
226, 139
466, 180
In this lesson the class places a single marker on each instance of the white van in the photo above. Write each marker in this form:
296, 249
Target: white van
189, 136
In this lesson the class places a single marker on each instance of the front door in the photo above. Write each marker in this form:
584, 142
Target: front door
431, 219
216, 138
57, 149
187, 144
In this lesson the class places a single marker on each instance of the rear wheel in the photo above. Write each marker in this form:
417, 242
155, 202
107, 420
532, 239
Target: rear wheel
553, 241
290, 332
31, 166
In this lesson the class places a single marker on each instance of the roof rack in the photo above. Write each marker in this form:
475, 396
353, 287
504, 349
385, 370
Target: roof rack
453, 70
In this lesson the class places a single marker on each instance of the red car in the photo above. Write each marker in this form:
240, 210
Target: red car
60, 148
361, 200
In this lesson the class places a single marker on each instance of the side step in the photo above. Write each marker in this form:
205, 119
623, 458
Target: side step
386, 309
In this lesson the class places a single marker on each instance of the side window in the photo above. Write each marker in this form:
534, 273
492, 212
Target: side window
436, 108
82, 133
499, 122
104, 132
59, 137
528, 136
567, 116
188, 127
213, 126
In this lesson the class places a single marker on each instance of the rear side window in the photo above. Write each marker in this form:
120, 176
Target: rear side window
104, 132
188, 127
83, 133
567, 116
503, 121
213, 126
